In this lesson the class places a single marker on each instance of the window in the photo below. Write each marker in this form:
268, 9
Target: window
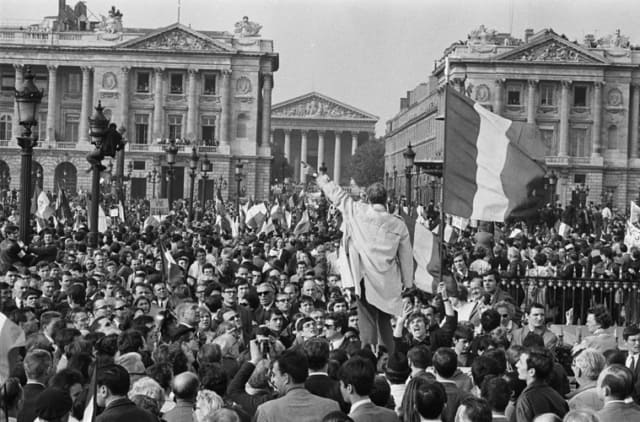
74, 83
42, 125
142, 81
176, 83
612, 137
579, 96
579, 179
175, 126
579, 143
5, 127
8, 82
41, 81
209, 84
139, 165
546, 95
71, 125
209, 130
241, 129
549, 140
142, 129
514, 95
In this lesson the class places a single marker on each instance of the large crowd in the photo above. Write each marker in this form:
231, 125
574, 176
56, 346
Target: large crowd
188, 319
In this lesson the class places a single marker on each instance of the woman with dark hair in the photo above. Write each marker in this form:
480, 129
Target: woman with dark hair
598, 321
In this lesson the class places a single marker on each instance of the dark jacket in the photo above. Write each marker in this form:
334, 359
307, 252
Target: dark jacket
324, 386
30, 392
538, 398
237, 393
124, 410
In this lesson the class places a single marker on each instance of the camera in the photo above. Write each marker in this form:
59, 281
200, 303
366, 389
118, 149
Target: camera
265, 348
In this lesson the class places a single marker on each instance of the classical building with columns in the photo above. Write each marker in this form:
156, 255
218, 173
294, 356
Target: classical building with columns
318, 129
584, 96
211, 89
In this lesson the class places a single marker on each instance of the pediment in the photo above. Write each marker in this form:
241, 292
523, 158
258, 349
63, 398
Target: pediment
554, 49
318, 106
177, 37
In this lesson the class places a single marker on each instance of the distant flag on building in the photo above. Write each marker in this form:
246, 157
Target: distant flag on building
11, 336
492, 170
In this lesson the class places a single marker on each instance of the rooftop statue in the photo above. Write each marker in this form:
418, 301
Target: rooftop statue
246, 28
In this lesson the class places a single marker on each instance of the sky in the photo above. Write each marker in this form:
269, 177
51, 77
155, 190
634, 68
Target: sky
365, 53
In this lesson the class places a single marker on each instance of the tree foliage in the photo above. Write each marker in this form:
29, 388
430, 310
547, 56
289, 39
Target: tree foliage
367, 164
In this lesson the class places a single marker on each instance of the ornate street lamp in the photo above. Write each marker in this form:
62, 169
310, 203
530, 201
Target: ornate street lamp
27, 99
409, 158
98, 125
205, 169
238, 175
553, 180
193, 166
152, 177
172, 151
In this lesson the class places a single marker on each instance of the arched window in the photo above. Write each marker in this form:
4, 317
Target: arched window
612, 137
5, 127
241, 129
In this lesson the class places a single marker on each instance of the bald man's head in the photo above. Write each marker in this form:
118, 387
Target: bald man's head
185, 386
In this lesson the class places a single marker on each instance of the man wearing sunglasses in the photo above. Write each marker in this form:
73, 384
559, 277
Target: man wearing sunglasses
266, 295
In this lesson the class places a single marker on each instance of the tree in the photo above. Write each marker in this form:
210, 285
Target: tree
367, 164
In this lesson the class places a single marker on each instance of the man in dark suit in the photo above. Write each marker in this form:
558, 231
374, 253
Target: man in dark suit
37, 367
357, 377
112, 386
615, 383
319, 382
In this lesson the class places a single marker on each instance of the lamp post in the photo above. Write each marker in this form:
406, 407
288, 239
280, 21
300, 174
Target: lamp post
193, 166
98, 125
28, 99
409, 158
127, 178
553, 180
152, 177
205, 169
238, 175
172, 151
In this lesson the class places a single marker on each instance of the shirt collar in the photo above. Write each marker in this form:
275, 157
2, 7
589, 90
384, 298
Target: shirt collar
359, 403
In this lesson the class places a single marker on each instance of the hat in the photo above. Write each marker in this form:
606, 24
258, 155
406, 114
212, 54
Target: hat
53, 404
397, 364
132, 362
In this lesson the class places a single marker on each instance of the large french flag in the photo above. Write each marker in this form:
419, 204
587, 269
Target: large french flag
493, 167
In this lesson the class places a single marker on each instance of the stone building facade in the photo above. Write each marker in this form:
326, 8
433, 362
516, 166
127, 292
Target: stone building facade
318, 129
583, 96
210, 89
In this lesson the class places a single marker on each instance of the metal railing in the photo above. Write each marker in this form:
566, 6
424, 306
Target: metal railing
561, 294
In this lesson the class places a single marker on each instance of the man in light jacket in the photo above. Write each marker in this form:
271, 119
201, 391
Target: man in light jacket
377, 258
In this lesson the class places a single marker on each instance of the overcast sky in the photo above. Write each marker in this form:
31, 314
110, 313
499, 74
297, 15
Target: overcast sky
366, 53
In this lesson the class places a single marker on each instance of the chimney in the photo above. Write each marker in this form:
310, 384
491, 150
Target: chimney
62, 6
404, 103
528, 33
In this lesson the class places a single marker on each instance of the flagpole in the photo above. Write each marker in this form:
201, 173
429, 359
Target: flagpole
443, 254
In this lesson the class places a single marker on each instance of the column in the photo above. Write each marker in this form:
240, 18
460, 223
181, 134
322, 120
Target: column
226, 106
635, 109
564, 119
303, 154
124, 99
354, 142
158, 130
85, 106
531, 101
192, 111
320, 149
596, 135
52, 107
336, 158
287, 145
499, 99
19, 80
267, 87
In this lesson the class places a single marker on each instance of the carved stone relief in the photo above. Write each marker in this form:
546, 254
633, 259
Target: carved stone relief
553, 52
109, 81
614, 97
177, 40
319, 108
243, 85
482, 93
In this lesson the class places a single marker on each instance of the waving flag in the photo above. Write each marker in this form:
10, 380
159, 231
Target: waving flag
304, 225
426, 253
492, 170
63, 211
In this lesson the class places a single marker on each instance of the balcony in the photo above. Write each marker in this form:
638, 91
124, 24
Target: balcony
138, 147
66, 145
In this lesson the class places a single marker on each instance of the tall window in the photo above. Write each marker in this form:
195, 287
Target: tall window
549, 140
209, 130
514, 95
176, 83
209, 84
578, 143
5, 127
579, 96
142, 81
241, 129
612, 137
8, 82
71, 125
175, 126
546, 95
142, 129
74, 83
42, 125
